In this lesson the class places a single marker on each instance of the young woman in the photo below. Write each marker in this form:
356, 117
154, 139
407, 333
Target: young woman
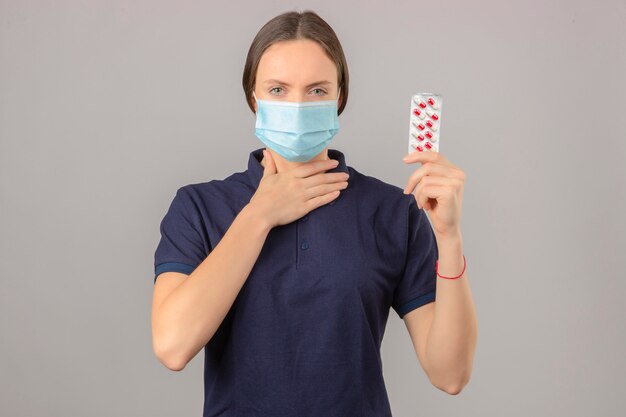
285, 273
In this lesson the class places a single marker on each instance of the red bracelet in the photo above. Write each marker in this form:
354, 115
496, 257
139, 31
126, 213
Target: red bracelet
441, 276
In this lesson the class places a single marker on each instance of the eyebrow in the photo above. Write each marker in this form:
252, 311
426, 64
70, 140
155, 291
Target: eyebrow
284, 83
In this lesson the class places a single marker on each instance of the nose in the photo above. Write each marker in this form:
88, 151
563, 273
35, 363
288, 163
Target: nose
296, 97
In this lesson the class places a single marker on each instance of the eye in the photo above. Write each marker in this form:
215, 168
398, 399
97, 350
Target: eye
275, 89
320, 89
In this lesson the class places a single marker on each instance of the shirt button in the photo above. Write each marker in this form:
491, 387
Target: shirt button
304, 245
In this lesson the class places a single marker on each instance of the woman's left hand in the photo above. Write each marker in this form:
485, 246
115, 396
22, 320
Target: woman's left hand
438, 188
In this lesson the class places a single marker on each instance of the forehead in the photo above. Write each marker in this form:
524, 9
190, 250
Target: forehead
296, 62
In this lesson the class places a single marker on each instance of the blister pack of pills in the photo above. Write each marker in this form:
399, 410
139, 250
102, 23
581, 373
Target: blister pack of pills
425, 122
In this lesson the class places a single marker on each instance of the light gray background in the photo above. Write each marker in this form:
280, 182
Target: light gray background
106, 108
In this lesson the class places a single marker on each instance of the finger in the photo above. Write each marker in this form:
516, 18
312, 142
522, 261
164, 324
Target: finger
270, 166
422, 194
427, 156
323, 189
308, 169
432, 194
326, 178
431, 169
454, 183
318, 201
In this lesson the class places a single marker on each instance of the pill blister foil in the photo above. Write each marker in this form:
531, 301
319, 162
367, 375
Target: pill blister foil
425, 122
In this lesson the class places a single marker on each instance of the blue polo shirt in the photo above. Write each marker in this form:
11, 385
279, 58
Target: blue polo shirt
303, 336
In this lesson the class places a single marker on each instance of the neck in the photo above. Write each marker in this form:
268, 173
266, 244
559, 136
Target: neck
283, 164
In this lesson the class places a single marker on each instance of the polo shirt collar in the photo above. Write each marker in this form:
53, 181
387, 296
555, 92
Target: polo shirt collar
255, 169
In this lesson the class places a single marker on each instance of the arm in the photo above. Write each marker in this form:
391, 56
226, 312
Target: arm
187, 310
444, 332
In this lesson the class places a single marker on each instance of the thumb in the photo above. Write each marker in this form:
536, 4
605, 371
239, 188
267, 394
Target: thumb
270, 166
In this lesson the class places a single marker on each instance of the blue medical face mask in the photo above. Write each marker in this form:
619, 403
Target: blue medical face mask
297, 131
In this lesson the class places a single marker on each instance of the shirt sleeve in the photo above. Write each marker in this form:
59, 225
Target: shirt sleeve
418, 283
181, 247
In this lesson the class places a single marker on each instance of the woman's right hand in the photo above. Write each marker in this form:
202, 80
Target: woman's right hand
284, 197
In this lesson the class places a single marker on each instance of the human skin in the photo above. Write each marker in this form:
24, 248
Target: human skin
188, 309
444, 332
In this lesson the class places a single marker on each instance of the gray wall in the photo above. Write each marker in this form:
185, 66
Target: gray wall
106, 108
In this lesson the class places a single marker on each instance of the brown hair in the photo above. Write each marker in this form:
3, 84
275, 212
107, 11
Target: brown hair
295, 25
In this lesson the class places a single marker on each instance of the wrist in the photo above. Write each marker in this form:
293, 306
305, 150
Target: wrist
449, 239
256, 216
450, 259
